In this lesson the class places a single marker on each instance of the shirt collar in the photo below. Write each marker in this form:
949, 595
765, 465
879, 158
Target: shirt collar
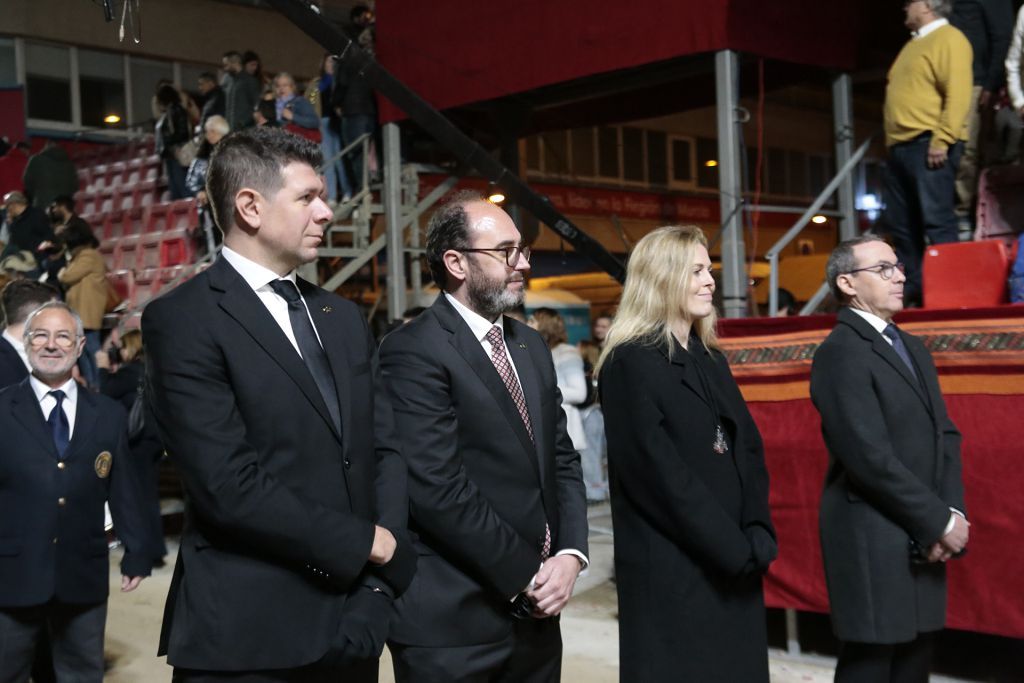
872, 319
479, 325
70, 389
929, 27
255, 275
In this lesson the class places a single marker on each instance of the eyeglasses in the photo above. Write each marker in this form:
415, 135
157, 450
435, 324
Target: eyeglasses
511, 253
64, 340
883, 270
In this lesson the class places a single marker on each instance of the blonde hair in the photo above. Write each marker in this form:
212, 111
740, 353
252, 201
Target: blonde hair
551, 326
657, 283
131, 345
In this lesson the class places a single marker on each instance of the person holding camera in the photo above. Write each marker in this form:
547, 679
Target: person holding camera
122, 371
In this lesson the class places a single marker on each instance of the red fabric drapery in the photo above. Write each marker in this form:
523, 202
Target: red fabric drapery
462, 51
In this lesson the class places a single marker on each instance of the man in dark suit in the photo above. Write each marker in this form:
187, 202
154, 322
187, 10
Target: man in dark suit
18, 299
496, 492
267, 398
892, 512
63, 455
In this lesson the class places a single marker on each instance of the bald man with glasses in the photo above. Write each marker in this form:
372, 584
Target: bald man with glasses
892, 512
495, 486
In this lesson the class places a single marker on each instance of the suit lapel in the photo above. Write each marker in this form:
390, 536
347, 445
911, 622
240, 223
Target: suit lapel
85, 422
884, 349
242, 304
333, 339
680, 357
27, 412
530, 382
472, 352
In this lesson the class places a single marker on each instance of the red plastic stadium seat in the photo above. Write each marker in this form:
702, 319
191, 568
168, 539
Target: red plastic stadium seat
947, 266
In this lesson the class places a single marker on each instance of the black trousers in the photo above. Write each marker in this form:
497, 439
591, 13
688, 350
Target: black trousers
319, 672
532, 653
873, 663
919, 203
76, 637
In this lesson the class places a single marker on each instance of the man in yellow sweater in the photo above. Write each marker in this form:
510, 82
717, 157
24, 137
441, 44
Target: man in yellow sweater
926, 103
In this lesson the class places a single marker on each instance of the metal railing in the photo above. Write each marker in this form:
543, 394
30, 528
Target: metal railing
773, 253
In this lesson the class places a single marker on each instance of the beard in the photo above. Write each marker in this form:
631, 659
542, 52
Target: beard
491, 298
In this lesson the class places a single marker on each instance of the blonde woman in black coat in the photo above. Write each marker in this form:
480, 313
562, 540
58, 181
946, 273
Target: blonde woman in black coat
689, 489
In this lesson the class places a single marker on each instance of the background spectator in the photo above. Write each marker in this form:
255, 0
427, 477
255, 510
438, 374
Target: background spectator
320, 92
172, 131
787, 304
353, 98
987, 25
241, 92
265, 114
254, 67
213, 100
12, 168
49, 175
122, 371
568, 369
289, 107
85, 280
27, 225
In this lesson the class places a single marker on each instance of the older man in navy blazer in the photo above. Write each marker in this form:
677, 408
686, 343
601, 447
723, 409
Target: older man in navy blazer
63, 455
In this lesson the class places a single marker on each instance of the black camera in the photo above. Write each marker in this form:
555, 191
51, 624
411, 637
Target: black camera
114, 354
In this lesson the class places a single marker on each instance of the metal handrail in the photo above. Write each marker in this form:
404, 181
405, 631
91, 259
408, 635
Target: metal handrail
773, 253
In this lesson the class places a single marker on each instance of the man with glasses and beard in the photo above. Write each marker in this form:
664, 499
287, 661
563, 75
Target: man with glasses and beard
892, 512
495, 487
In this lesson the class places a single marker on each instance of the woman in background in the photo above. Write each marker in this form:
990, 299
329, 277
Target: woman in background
689, 489
84, 279
568, 369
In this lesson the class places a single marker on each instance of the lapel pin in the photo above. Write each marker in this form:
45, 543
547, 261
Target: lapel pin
522, 346
326, 309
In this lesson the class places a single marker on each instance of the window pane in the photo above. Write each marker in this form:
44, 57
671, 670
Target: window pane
776, 171
682, 170
145, 74
707, 151
555, 153
633, 154
533, 153
101, 81
608, 152
798, 185
583, 152
8, 74
657, 158
48, 82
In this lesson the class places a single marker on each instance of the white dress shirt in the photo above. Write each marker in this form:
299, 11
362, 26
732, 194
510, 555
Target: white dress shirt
480, 326
47, 402
19, 346
259, 278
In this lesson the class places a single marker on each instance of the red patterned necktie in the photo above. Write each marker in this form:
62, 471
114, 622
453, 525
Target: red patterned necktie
508, 376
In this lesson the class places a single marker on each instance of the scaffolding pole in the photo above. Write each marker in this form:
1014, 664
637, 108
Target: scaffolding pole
734, 269
842, 117
393, 215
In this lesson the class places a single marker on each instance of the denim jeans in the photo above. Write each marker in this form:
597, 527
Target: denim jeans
334, 172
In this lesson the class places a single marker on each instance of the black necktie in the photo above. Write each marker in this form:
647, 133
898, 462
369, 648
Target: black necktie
58, 422
899, 347
309, 346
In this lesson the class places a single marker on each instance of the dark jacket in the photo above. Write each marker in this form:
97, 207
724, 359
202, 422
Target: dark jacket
12, 368
894, 472
28, 230
241, 93
988, 26
49, 175
481, 491
280, 505
693, 533
213, 106
171, 130
52, 541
